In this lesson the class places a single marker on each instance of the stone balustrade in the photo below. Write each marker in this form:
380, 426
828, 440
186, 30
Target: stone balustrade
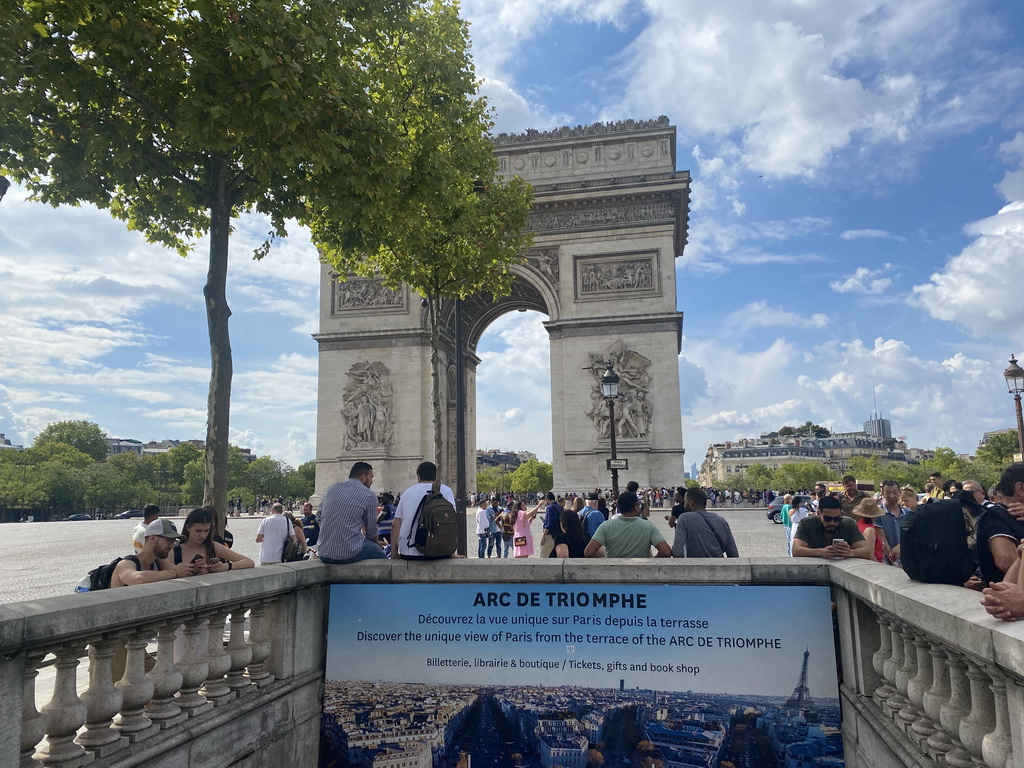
164, 674
227, 669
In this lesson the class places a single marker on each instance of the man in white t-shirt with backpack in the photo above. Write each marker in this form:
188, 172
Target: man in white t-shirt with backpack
272, 534
402, 527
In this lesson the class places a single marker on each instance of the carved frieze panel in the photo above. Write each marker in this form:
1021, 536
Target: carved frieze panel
605, 276
367, 406
365, 294
633, 410
545, 263
601, 217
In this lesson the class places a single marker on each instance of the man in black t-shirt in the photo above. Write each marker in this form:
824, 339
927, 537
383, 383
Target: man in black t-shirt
830, 534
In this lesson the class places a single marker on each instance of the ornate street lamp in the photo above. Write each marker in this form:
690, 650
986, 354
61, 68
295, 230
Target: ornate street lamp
610, 389
1014, 376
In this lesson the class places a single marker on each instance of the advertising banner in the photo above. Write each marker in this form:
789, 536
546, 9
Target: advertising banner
580, 676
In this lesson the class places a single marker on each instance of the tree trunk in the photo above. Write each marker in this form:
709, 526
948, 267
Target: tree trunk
435, 384
215, 482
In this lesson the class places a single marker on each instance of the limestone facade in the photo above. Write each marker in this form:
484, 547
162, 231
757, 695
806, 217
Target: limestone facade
609, 217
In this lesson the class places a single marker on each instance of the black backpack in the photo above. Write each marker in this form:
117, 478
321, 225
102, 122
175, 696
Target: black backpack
99, 578
435, 525
933, 544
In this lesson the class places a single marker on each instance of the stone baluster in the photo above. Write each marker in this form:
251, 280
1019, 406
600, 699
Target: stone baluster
64, 714
193, 670
997, 746
956, 709
240, 653
923, 726
940, 741
218, 662
894, 673
982, 718
164, 710
136, 690
102, 701
33, 727
909, 712
259, 641
878, 659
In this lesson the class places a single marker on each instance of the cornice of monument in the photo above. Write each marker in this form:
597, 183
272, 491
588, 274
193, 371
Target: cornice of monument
532, 135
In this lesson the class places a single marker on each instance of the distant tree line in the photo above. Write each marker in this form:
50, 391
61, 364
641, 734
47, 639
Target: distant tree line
989, 461
68, 470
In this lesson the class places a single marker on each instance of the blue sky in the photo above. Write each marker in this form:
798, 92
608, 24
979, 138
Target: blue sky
798, 618
857, 222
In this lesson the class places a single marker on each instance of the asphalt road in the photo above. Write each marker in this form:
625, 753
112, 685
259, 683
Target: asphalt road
40, 560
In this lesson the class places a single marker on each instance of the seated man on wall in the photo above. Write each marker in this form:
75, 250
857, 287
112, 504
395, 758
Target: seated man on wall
700, 533
830, 534
627, 534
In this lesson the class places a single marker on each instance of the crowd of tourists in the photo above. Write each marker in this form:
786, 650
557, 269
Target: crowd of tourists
951, 531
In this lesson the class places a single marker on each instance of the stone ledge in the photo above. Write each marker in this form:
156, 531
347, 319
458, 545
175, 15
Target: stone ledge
78, 617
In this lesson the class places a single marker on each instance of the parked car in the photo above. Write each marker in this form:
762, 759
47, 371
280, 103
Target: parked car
129, 513
80, 516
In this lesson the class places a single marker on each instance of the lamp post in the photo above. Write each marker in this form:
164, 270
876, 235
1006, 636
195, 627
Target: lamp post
1014, 376
610, 388
460, 430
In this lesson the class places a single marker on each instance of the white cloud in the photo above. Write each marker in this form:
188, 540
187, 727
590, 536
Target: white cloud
949, 401
979, 288
512, 417
864, 280
760, 314
869, 234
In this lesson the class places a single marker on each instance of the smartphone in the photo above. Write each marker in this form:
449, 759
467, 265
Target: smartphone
197, 558
838, 541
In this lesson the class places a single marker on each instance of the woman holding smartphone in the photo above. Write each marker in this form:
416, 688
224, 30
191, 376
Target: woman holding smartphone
199, 546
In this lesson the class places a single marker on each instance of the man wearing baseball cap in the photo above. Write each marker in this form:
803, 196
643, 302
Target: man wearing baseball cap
142, 568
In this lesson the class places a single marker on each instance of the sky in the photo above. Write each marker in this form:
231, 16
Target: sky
368, 622
856, 231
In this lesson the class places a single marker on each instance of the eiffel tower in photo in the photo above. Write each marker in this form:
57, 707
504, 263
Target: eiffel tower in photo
801, 698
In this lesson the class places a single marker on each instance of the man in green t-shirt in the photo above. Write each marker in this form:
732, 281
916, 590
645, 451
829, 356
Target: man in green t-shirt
627, 534
830, 534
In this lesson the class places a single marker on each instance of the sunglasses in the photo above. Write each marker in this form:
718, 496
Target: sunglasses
832, 519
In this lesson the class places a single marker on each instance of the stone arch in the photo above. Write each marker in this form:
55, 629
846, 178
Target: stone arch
609, 217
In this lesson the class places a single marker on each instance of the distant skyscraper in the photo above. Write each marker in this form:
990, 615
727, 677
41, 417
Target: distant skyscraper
876, 426
622, 684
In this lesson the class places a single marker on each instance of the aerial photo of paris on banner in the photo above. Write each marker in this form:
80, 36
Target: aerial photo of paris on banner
580, 676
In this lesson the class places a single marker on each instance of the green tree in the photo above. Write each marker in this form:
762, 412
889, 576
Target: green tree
948, 463
456, 230
532, 476
759, 477
177, 458
179, 115
83, 436
266, 477
808, 428
998, 451
493, 479
800, 475
298, 483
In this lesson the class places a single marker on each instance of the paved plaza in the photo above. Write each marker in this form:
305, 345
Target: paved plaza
48, 559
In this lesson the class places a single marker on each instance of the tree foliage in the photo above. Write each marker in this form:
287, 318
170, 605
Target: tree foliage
808, 428
493, 479
176, 116
83, 436
454, 230
532, 476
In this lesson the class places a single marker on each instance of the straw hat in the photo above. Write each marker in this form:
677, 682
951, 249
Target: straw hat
868, 508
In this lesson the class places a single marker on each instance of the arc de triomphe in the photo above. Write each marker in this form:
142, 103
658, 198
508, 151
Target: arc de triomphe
609, 216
